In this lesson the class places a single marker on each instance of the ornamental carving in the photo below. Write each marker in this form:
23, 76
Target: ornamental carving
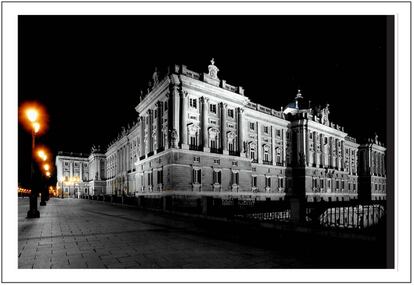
231, 136
193, 129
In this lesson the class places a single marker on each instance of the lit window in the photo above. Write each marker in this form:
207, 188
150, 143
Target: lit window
216, 177
268, 181
235, 178
197, 176
213, 108
254, 181
193, 103
278, 133
230, 113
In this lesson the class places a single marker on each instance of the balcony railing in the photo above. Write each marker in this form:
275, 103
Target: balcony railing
142, 157
195, 147
268, 162
279, 163
160, 149
234, 152
150, 154
216, 150
254, 160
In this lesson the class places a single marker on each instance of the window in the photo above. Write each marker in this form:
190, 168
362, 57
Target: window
252, 126
266, 129
217, 161
280, 180
343, 185
235, 163
159, 176
311, 135
193, 141
254, 181
231, 146
193, 103
314, 183
217, 177
322, 184
230, 113
278, 156
165, 105
155, 114
197, 176
252, 154
268, 181
266, 156
337, 184
278, 133
213, 144
235, 178
197, 158
213, 108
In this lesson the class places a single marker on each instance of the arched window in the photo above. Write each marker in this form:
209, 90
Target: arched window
266, 154
278, 156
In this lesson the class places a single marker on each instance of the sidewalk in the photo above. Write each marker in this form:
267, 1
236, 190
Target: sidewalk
72, 233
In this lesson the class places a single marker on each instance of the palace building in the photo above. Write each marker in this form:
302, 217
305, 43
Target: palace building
196, 134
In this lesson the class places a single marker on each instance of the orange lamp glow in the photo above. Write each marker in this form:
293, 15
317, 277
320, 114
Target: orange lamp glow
36, 127
32, 114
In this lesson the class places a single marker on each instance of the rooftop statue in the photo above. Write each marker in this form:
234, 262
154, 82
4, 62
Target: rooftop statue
213, 70
325, 115
155, 77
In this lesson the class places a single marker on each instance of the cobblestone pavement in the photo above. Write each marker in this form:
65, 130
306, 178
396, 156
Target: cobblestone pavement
72, 233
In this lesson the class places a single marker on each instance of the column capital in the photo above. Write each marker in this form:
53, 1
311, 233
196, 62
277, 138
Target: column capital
204, 100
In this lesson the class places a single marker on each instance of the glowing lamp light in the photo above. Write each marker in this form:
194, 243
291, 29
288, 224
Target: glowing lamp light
32, 115
48, 174
36, 127
41, 153
46, 167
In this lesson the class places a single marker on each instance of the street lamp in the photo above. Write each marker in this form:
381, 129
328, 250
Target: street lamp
32, 115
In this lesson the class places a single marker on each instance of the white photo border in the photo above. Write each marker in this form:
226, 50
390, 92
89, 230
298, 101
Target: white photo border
402, 13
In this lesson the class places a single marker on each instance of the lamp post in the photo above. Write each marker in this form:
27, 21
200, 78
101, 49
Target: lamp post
46, 167
32, 115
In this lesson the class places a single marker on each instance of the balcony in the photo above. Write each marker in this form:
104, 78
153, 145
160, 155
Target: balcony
151, 153
195, 147
254, 160
234, 152
142, 157
279, 163
268, 162
216, 150
160, 149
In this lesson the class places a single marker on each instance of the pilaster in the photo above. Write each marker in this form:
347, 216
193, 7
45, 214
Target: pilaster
204, 131
223, 128
240, 134
183, 120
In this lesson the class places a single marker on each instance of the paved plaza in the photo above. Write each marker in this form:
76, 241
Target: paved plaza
75, 233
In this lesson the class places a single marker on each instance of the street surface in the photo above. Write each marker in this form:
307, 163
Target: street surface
72, 233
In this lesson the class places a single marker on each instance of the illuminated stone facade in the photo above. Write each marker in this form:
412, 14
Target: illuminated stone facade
198, 135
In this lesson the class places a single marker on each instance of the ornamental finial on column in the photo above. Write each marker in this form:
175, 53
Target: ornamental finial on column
213, 70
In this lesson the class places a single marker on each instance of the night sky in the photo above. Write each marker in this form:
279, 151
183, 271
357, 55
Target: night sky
87, 70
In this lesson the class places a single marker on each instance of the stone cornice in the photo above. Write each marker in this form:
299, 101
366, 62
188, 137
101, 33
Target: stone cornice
151, 97
263, 117
213, 91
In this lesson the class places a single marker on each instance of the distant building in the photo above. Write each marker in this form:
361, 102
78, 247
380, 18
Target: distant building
198, 135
